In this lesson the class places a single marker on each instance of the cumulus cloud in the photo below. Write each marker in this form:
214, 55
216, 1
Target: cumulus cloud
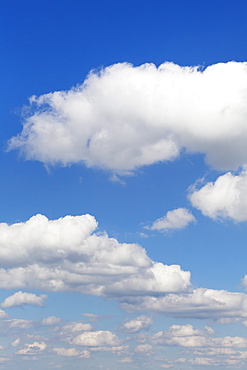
18, 323
124, 117
33, 348
201, 303
96, 339
177, 219
50, 320
20, 298
3, 314
144, 349
74, 327
71, 352
137, 324
187, 336
67, 254
226, 198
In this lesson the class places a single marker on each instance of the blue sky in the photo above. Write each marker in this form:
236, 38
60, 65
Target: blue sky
123, 202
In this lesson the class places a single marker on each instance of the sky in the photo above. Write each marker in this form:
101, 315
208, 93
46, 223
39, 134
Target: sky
123, 184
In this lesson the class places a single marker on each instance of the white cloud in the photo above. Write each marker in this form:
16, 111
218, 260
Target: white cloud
137, 324
187, 336
92, 317
126, 360
144, 349
20, 298
177, 219
19, 323
74, 327
50, 320
66, 254
71, 352
96, 339
226, 198
33, 348
4, 359
124, 117
3, 314
16, 342
201, 303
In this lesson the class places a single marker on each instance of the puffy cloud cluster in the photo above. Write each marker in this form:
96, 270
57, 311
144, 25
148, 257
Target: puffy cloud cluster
124, 117
20, 298
187, 336
66, 254
201, 303
205, 347
226, 198
177, 219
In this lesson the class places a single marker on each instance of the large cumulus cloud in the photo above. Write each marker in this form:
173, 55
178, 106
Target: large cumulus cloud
124, 117
67, 254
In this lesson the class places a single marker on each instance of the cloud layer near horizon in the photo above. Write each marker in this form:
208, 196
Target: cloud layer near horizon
125, 117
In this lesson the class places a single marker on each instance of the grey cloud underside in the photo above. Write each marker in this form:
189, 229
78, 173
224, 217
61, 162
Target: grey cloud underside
125, 117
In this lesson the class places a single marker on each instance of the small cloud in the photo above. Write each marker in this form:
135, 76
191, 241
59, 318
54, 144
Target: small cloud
20, 298
137, 324
33, 348
126, 360
144, 349
92, 317
116, 178
71, 352
3, 314
224, 199
16, 342
177, 219
51, 320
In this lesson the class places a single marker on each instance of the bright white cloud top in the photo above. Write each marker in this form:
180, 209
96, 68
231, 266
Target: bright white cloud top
124, 117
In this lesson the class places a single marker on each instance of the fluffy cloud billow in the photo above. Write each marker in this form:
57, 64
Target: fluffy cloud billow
68, 255
125, 117
226, 198
201, 303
